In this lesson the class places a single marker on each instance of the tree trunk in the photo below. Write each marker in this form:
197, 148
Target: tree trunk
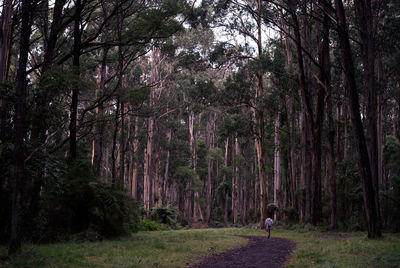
210, 145
308, 125
166, 172
277, 166
259, 123
135, 160
122, 147
75, 91
99, 126
236, 186
5, 38
225, 180
234, 208
365, 20
369, 195
19, 131
147, 165
114, 145
5, 42
303, 173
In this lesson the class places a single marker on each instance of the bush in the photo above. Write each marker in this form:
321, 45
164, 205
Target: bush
149, 225
166, 215
78, 201
291, 214
271, 208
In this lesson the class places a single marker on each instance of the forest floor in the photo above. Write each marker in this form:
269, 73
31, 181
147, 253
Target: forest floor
182, 248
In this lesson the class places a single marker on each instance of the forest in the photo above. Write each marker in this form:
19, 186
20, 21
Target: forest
126, 115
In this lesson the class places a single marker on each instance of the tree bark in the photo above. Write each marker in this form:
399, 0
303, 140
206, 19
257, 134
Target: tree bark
365, 21
210, 145
369, 195
225, 179
99, 126
5, 42
135, 159
236, 185
75, 91
307, 119
277, 166
19, 131
259, 122
114, 144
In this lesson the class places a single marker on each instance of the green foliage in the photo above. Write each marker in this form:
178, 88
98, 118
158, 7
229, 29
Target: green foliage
238, 89
185, 175
61, 80
271, 208
166, 215
221, 53
202, 158
391, 195
225, 171
215, 154
78, 201
155, 22
237, 123
149, 225
204, 92
291, 214
349, 195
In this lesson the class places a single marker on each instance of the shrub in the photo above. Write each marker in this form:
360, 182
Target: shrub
166, 215
271, 208
149, 225
291, 214
78, 201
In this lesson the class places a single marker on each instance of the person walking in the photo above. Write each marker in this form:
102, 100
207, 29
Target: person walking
268, 225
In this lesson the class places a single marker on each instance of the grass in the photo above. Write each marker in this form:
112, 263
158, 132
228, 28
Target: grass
178, 248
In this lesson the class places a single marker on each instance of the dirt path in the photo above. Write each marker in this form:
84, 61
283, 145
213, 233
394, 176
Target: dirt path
260, 252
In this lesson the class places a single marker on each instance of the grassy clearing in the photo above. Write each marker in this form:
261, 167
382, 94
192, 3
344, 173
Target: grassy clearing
178, 248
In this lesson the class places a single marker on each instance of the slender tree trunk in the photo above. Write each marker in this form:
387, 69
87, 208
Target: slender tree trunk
308, 125
135, 159
369, 195
365, 20
236, 186
166, 172
99, 126
244, 190
147, 165
19, 131
225, 179
303, 173
75, 91
210, 145
5, 38
114, 145
380, 113
259, 122
291, 115
5, 48
277, 166
122, 147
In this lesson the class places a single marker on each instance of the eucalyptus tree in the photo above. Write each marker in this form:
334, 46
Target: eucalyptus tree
244, 20
20, 127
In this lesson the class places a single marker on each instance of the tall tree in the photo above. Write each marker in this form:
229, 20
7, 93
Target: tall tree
19, 128
369, 195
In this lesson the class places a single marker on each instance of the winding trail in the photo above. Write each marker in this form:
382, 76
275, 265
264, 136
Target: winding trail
260, 252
